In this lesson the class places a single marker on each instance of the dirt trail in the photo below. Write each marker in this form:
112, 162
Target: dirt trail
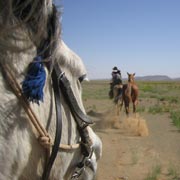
133, 150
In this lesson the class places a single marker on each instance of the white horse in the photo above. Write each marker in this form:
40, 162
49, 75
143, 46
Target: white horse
21, 155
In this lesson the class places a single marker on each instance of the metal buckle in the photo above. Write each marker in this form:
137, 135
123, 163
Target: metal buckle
86, 162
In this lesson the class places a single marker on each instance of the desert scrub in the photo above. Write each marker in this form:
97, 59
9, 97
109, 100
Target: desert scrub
141, 109
173, 100
175, 116
158, 109
153, 175
95, 89
172, 172
170, 99
147, 88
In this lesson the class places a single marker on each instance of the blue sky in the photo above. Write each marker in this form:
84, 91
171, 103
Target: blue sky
141, 36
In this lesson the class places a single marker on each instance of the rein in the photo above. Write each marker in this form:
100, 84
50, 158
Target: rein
57, 97
44, 138
59, 81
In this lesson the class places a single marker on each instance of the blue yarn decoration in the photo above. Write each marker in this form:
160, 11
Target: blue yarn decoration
32, 86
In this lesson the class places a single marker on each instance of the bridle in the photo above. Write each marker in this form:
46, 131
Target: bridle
60, 82
61, 87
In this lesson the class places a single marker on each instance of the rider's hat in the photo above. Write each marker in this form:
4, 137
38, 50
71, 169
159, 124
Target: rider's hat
115, 69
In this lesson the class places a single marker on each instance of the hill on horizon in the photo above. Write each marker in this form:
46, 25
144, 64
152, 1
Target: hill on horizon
156, 78
151, 78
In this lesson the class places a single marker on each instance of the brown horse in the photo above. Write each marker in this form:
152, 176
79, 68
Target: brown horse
130, 93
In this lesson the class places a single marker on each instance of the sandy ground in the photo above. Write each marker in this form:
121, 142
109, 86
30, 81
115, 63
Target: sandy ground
134, 147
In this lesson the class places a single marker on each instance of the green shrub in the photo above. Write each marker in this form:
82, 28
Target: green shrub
172, 171
147, 88
153, 175
175, 116
141, 109
155, 109
173, 100
159, 109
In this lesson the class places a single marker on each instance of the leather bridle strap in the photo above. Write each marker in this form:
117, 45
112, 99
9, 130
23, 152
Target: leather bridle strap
81, 120
80, 117
57, 139
64, 84
61, 82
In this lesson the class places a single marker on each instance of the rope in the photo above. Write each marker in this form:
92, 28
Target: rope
44, 138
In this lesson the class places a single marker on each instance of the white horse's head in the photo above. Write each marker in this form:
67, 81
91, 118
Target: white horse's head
22, 37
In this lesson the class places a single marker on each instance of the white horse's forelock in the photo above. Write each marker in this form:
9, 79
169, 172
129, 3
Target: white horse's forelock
70, 60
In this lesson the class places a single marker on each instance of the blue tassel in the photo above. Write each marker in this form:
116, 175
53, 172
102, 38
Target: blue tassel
32, 86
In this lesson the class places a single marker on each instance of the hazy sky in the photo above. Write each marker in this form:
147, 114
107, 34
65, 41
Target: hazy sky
141, 36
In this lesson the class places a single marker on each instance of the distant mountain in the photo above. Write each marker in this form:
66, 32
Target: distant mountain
155, 78
150, 78
176, 79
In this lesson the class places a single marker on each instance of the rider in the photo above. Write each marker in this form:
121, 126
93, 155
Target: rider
116, 81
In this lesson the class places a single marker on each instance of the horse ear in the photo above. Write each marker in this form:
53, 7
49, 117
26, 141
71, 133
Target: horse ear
127, 73
134, 74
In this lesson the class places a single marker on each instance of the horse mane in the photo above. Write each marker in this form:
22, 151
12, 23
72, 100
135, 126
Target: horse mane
29, 23
33, 24
29, 12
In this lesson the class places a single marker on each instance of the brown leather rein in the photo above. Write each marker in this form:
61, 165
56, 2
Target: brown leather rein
60, 85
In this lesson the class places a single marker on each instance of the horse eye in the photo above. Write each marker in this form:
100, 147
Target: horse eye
81, 78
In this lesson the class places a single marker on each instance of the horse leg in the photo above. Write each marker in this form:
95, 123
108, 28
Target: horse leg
117, 109
121, 104
127, 108
134, 106
127, 111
